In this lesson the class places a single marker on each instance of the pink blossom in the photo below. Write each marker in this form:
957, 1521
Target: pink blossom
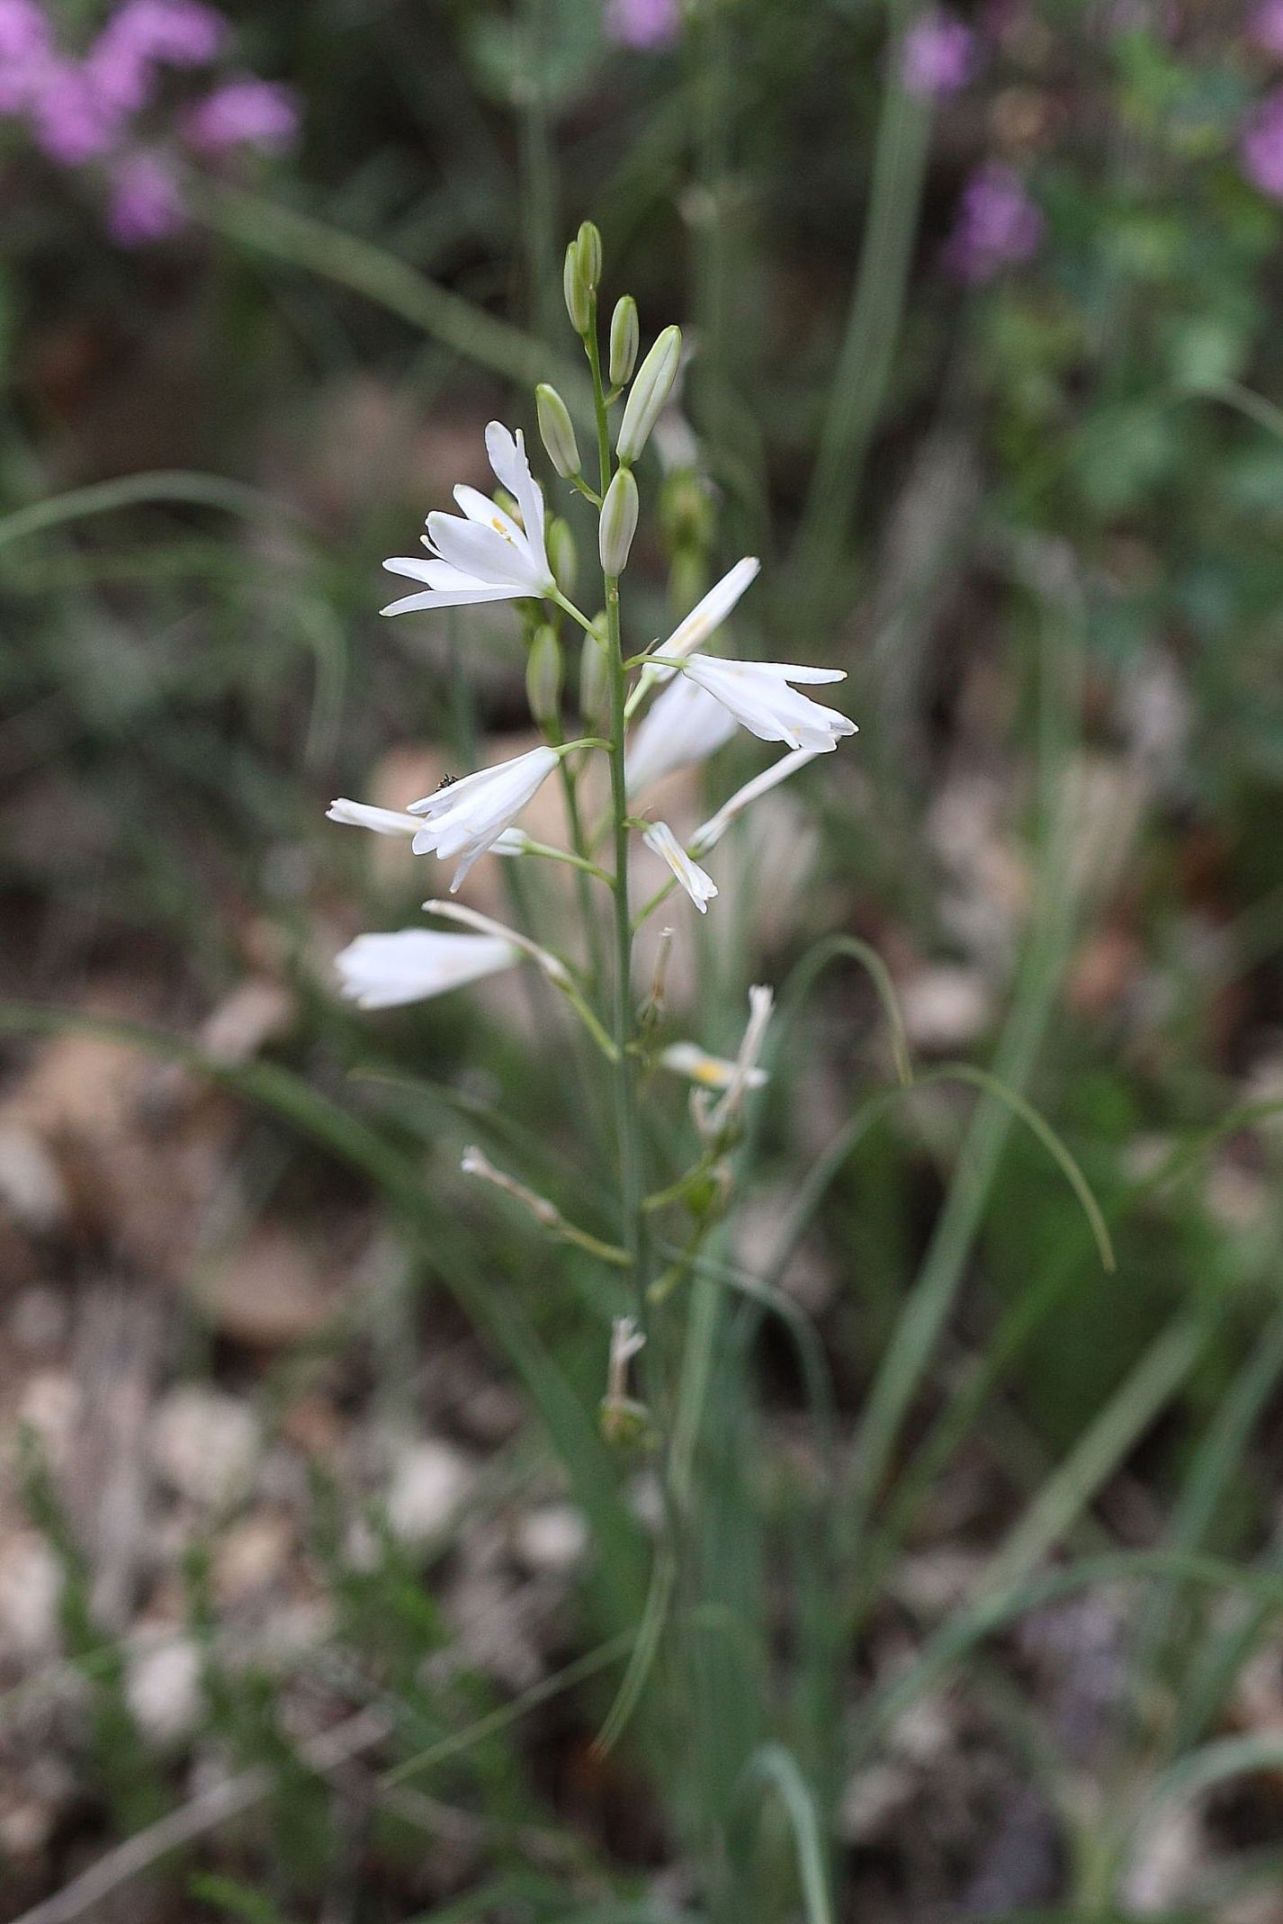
146, 202
1265, 28
939, 55
1260, 147
172, 33
245, 112
26, 47
643, 23
997, 225
71, 120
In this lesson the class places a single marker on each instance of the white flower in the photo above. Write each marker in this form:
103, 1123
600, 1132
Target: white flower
685, 725
485, 555
384, 821
467, 817
383, 971
702, 621
710, 1072
661, 841
761, 1001
552, 966
710, 833
757, 693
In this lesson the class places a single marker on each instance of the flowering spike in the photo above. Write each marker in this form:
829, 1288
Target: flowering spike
648, 394
557, 430
618, 523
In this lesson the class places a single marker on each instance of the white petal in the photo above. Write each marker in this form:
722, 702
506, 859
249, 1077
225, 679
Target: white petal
507, 455
451, 598
661, 841
685, 725
411, 965
485, 553
465, 818
758, 695
384, 821
486, 513
710, 1072
709, 614
551, 965
710, 833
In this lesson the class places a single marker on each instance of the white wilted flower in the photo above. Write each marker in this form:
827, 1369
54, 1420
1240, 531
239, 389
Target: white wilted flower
757, 693
383, 821
412, 965
685, 725
710, 833
704, 618
745, 1074
485, 554
710, 1072
467, 817
661, 841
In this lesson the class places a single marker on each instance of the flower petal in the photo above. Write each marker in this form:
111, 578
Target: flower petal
507, 456
485, 552
661, 841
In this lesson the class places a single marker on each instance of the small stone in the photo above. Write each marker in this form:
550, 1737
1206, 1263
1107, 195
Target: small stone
38, 1319
429, 1481
31, 1185
553, 1538
162, 1688
204, 1444
251, 1557
30, 1587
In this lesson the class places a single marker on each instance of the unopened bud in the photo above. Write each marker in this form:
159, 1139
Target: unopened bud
594, 680
618, 522
625, 339
563, 556
557, 430
543, 676
589, 242
648, 393
575, 288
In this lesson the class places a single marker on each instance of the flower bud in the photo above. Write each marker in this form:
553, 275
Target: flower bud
557, 430
648, 394
543, 676
618, 523
625, 339
589, 243
594, 681
575, 288
563, 557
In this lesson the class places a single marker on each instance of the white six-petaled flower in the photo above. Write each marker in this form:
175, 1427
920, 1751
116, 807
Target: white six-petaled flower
467, 817
703, 620
661, 841
757, 693
485, 554
685, 725
709, 1072
411, 965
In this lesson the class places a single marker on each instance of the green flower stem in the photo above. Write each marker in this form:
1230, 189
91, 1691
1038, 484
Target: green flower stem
548, 853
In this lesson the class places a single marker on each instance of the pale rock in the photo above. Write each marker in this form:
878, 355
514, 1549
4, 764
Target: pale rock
552, 1539
162, 1688
204, 1444
428, 1483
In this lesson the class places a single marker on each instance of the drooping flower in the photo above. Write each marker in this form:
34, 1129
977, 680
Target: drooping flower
761, 1001
383, 821
411, 965
1261, 147
938, 57
709, 1072
758, 695
244, 112
146, 202
661, 841
483, 555
685, 725
998, 225
467, 817
643, 23
710, 833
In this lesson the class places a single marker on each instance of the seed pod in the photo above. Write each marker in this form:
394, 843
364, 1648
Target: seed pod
557, 430
589, 242
625, 339
618, 523
543, 676
575, 288
648, 394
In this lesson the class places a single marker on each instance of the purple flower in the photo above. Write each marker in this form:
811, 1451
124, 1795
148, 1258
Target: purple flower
146, 202
997, 225
170, 33
643, 23
26, 47
71, 120
939, 55
1260, 147
245, 112
1265, 28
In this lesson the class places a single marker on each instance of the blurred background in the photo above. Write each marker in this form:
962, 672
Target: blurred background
315, 1573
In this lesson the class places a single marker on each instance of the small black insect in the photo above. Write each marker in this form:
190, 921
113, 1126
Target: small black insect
447, 781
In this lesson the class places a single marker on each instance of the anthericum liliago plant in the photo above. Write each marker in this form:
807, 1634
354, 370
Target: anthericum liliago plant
670, 705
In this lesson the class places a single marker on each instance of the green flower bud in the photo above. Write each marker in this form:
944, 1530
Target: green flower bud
557, 430
625, 339
543, 676
594, 681
618, 522
563, 557
589, 242
575, 287
648, 394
